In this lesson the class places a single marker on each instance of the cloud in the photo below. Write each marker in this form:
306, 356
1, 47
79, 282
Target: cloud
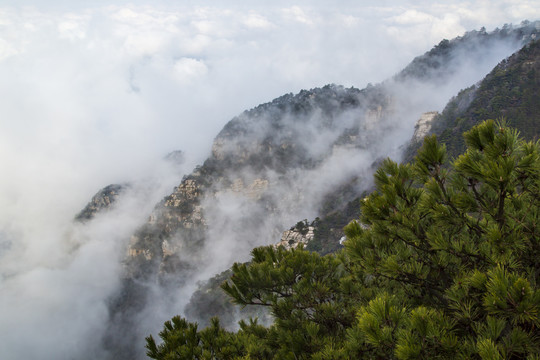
72, 27
296, 13
413, 17
6, 49
188, 68
257, 21
93, 94
411, 24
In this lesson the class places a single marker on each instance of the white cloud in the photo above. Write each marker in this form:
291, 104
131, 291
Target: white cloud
6, 49
189, 68
412, 25
257, 21
413, 17
297, 14
72, 27
93, 94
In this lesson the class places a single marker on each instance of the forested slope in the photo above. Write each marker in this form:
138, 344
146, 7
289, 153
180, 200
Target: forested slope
441, 264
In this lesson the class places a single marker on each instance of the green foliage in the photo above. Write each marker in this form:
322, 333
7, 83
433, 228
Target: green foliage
510, 90
314, 297
442, 264
181, 340
210, 301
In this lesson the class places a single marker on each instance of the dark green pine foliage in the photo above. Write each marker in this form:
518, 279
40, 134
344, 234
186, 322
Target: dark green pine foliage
442, 264
459, 246
313, 298
182, 340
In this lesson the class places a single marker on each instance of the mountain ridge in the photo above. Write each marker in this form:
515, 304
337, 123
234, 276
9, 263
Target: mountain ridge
509, 91
267, 166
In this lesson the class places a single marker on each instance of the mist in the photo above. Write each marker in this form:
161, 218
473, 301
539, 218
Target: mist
237, 222
97, 95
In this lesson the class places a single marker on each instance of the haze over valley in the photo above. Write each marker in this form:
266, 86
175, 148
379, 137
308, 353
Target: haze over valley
219, 125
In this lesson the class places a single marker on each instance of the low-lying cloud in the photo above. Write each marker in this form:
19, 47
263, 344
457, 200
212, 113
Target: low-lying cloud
97, 95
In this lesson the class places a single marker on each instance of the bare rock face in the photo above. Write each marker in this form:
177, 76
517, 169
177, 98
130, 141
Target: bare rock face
423, 125
256, 176
291, 239
254, 190
102, 201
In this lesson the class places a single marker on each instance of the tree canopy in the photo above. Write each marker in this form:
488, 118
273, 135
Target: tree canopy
441, 264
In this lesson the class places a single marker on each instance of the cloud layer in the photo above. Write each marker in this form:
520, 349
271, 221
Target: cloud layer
97, 95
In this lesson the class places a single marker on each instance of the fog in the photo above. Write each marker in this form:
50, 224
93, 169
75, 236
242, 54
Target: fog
97, 95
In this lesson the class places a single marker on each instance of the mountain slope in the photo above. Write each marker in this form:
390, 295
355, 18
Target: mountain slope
268, 165
511, 91
299, 156
517, 75
102, 201
267, 147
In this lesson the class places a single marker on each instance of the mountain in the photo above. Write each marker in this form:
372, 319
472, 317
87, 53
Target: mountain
302, 156
102, 201
268, 166
511, 91
441, 60
521, 110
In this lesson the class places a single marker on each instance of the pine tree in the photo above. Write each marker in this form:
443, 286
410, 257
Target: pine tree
460, 243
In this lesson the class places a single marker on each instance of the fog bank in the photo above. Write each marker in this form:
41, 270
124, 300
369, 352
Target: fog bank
97, 95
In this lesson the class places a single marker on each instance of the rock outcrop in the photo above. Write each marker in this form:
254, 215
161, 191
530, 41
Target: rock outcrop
423, 125
102, 201
291, 239
298, 156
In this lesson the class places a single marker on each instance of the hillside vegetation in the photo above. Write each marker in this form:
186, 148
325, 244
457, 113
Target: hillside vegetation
513, 85
511, 90
442, 264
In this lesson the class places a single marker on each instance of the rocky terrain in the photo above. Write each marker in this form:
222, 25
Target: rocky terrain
307, 155
102, 201
509, 91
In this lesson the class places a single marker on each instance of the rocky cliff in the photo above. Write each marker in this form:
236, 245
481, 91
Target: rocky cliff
260, 165
102, 201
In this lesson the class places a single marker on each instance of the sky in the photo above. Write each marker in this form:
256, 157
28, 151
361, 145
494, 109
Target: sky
93, 93
100, 92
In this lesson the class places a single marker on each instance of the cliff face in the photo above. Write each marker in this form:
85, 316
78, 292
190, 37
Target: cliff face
299, 156
276, 160
423, 126
256, 175
301, 234
102, 201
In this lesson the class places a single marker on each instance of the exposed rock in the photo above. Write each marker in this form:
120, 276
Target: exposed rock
254, 190
268, 165
187, 190
292, 238
423, 125
102, 201
136, 252
372, 117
